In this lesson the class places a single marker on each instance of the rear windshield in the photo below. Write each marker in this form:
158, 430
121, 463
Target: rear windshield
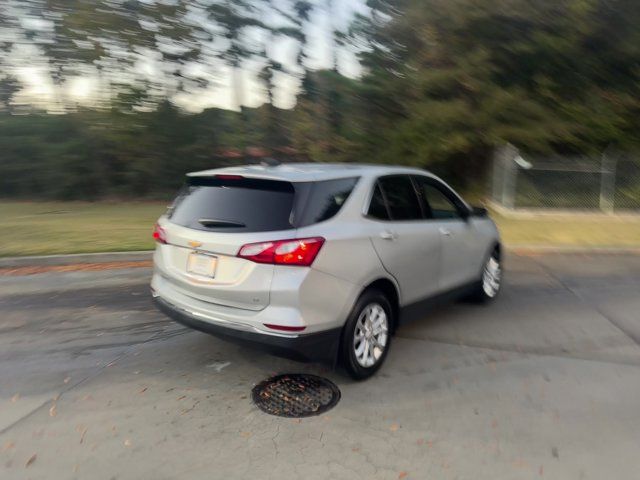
256, 205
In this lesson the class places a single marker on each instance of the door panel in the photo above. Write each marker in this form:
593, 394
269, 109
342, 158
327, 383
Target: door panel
461, 249
408, 247
459, 253
412, 257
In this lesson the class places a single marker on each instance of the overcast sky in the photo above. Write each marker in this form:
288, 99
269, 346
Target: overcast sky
40, 91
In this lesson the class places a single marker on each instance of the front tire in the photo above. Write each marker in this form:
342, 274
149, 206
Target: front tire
490, 283
366, 336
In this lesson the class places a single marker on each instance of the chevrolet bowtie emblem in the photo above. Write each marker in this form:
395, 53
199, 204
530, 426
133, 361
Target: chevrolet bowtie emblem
194, 244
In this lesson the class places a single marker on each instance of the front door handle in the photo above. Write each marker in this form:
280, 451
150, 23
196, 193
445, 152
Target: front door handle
388, 235
445, 231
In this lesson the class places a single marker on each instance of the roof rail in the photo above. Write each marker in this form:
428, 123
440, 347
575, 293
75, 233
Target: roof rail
269, 162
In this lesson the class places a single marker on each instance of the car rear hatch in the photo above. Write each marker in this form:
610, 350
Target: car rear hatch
210, 220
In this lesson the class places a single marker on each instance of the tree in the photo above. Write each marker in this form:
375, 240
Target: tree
448, 80
9, 86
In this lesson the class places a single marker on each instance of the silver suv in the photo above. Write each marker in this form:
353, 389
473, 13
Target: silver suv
319, 262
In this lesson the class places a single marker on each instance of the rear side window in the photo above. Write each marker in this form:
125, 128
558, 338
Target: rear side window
323, 200
401, 197
234, 205
378, 207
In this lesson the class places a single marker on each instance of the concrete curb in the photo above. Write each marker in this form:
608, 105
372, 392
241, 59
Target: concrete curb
47, 260
544, 249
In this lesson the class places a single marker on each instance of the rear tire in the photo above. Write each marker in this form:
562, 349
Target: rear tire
366, 336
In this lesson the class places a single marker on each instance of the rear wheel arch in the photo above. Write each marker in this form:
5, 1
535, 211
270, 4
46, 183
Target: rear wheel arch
389, 290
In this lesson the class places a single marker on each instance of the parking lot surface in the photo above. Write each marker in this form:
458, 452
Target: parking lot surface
543, 383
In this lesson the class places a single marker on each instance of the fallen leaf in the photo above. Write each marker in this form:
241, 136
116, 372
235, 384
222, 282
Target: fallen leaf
84, 432
245, 434
394, 427
15, 398
32, 459
355, 449
143, 390
182, 397
7, 446
402, 475
53, 411
127, 443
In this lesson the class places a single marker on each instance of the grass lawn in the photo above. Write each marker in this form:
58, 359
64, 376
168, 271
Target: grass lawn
43, 228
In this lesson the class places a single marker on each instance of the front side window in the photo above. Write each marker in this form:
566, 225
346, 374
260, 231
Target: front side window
437, 203
401, 198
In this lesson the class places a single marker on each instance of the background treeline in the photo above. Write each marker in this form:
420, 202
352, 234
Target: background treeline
444, 82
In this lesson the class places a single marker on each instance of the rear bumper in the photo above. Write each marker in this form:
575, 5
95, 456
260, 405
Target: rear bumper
314, 347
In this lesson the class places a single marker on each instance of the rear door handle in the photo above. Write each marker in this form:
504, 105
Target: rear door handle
445, 231
388, 235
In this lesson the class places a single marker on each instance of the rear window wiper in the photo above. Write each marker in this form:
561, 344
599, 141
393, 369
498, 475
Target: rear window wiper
213, 223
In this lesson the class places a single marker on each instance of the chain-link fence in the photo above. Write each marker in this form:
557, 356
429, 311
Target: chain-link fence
609, 182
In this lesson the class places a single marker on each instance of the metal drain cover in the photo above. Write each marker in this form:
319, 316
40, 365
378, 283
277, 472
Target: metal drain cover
295, 395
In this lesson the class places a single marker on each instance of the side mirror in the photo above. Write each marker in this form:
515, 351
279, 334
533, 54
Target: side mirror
479, 212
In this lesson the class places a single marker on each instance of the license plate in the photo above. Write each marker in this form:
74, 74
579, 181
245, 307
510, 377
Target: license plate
201, 264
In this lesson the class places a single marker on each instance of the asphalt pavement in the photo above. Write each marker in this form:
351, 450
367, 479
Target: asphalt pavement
543, 383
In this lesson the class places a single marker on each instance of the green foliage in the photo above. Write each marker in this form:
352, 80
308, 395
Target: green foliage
459, 77
445, 82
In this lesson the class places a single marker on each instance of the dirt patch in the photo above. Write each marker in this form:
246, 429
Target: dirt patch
80, 267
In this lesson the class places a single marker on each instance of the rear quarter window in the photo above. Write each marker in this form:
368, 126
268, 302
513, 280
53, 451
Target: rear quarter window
324, 200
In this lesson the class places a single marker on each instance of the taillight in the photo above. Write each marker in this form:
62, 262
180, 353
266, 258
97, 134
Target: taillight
300, 252
159, 234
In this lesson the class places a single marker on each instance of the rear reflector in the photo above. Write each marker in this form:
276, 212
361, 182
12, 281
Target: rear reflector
300, 252
284, 328
159, 234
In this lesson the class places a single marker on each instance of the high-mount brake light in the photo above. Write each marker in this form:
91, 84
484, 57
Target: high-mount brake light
229, 177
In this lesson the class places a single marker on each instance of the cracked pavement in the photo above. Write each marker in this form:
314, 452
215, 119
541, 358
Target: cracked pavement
543, 383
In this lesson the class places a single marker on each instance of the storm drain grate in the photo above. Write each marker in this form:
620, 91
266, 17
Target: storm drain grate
295, 395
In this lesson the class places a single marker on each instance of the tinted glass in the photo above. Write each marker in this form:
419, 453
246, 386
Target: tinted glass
401, 197
243, 205
438, 204
325, 199
377, 207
